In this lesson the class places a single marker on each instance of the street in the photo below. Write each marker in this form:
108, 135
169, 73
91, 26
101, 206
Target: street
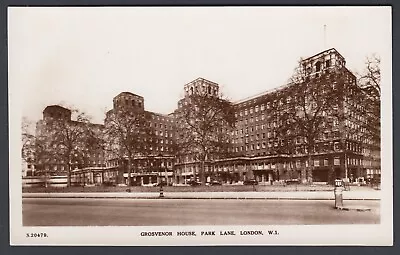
158, 212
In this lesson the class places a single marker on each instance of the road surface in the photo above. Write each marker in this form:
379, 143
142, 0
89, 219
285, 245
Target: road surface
159, 212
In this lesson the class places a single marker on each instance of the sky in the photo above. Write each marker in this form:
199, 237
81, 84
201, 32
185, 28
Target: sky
83, 57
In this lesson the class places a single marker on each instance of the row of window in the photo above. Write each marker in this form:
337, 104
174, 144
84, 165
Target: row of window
298, 140
325, 147
144, 164
164, 134
269, 165
251, 129
160, 118
253, 120
161, 148
128, 102
161, 126
63, 167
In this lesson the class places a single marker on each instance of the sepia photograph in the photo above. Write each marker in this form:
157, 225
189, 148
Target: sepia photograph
200, 125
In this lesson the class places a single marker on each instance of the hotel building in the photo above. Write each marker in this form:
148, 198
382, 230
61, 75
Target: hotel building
344, 150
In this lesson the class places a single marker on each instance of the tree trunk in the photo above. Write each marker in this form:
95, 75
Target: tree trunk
309, 169
303, 174
129, 172
202, 172
345, 166
69, 175
45, 178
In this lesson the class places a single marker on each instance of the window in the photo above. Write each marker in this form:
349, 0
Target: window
336, 146
326, 162
316, 162
328, 63
336, 161
318, 66
262, 107
251, 110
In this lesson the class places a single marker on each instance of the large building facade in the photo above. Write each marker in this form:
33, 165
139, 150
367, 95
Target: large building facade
344, 149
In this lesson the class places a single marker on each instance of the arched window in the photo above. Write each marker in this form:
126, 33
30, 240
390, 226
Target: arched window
191, 90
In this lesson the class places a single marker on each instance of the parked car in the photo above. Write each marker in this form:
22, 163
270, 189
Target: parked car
214, 183
250, 182
194, 183
292, 181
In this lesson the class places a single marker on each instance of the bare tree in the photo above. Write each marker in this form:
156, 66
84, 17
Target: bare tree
129, 135
69, 140
309, 106
36, 149
369, 82
371, 76
27, 137
204, 124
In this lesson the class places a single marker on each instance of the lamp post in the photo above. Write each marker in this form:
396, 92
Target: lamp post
161, 182
161, 190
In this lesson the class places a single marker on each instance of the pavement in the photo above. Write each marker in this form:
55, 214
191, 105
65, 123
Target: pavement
284, 195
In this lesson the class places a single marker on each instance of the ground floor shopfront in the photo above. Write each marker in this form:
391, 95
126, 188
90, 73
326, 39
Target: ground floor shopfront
320, 168
116, 175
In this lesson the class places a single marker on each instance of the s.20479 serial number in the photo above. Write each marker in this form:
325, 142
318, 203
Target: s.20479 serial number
37, 235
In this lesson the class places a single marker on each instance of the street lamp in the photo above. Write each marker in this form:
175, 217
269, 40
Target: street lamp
161, 181
161, 190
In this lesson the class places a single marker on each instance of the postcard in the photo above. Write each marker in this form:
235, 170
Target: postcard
154, 126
